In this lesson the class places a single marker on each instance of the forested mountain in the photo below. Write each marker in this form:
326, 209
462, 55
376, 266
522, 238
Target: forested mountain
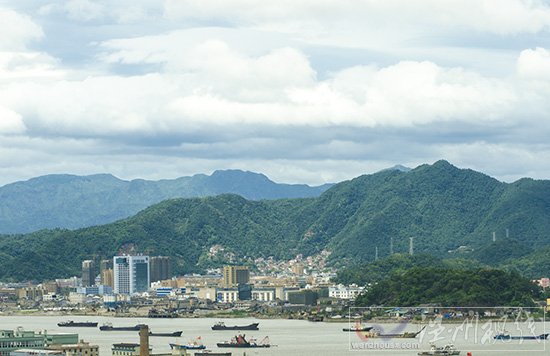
69, 201
450, 212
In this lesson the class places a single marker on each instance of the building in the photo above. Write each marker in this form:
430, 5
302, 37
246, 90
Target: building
161, 268
107, 277
303, 297
125, 349
298, 269
11, 340
235, 275
80, 349
106, 272
88, 273
344, 292
95, 290
227, 295
263, 294
131, 274
37, 352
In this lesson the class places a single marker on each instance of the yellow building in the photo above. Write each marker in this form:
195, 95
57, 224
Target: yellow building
235, 275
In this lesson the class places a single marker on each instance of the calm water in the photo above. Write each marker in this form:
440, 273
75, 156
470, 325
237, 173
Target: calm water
293, 337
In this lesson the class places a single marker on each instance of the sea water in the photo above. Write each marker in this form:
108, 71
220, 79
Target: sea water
295, 337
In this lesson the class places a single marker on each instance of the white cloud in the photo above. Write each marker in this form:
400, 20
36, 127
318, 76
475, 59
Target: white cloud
17, 30
534, 64
334, 20
10, 122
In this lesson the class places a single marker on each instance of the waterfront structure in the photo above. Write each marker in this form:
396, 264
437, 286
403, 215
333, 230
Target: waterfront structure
125, 349
131, 274
235, 275
11, 340
33, 352
88, 273
161, 268
303, 297
263, 294
227, 295
79, 349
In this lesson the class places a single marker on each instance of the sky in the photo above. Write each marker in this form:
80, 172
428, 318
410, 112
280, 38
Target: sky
304, 91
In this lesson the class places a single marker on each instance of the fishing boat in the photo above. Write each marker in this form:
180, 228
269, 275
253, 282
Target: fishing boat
71, 323
506, 336
405, 335
358, 328
191, 345
110, 327
240, 341
168, 334
446, 350
221, 326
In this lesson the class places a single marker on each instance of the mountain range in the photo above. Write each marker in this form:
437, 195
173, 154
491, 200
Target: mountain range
448, 212
70, 201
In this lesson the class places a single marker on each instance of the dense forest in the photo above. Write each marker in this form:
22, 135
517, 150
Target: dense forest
451, 287
451, 213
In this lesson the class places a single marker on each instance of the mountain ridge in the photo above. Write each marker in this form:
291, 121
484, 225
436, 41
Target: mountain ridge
72, 201
441, 206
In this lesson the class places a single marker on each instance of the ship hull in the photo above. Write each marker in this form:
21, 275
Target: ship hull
175, 334
77, 324
253, 326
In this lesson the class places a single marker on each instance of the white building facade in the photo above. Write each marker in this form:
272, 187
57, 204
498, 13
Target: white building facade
131, 274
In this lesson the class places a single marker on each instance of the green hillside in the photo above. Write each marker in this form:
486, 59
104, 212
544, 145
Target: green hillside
444, 208
452, 287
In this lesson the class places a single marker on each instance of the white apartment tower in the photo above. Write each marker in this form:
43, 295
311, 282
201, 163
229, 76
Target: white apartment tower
131, 274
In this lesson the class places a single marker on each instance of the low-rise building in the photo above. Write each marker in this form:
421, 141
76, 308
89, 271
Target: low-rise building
344, 292
79, 349
11, 340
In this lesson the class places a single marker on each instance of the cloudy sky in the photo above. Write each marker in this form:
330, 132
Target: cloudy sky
305, 91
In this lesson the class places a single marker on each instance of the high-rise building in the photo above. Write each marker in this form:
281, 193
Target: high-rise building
105, 265
107, 277
235, 275
161, 268
131, 274
88, 273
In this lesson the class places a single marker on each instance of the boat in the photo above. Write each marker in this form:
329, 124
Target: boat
240, 341
169, 334
405, 335
446, 350
71, 323
210, 353
221, 326
155, 313
191, 345
506, 336
110, 327
358, 328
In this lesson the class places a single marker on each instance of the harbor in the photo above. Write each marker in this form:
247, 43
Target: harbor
287, 337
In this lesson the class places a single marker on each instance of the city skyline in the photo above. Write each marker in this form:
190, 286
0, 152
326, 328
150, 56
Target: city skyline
304, 91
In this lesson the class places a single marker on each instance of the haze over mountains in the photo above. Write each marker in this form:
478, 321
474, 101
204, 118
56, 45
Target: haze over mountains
441, 206
70, 201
